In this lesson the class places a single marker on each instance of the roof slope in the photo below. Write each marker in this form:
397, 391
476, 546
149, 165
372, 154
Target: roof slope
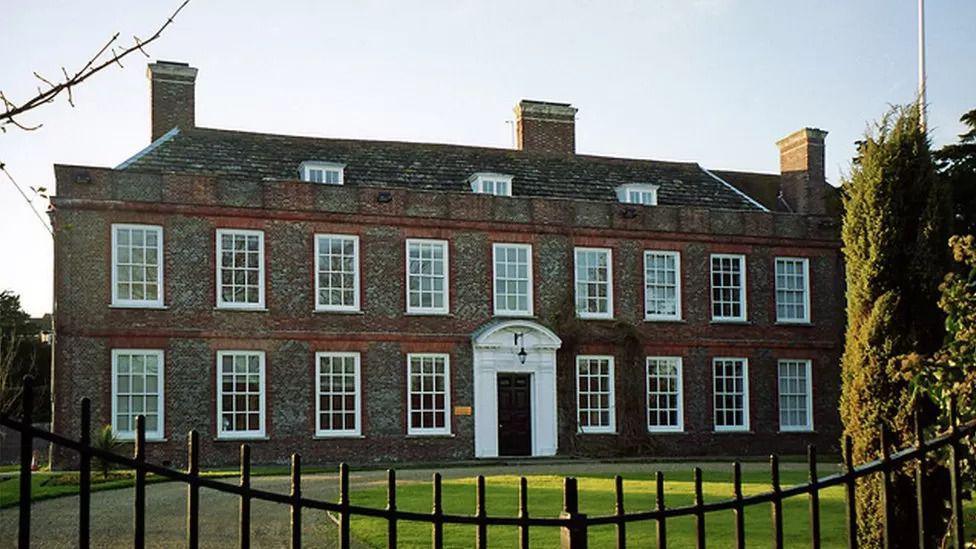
431, 166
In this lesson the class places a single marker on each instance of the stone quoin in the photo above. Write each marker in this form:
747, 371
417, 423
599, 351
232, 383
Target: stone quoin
371, 301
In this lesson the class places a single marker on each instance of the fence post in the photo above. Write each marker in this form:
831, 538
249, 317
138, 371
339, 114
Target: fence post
481, 537
343, 506
140, 488
437, 527
738, 510
850, 492
814, 497
776, 503
296, 501
886, 489
523, 513
662, 533
573, 535
193, 490
244, 534
26, 447
699, 513
618, 509
84, 477
391, 505
920, 478
955, 479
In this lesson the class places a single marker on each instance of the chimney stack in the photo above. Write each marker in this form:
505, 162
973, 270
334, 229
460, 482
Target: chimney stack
172, 95
545, 127
803, 180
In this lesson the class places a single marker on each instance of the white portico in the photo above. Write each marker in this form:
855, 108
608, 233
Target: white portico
498, 355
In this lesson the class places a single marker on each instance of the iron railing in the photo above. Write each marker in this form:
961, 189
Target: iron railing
572, 523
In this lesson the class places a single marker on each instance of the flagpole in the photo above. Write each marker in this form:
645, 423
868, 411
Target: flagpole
921, 64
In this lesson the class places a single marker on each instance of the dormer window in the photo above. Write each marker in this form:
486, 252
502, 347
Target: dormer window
638, 193
491, 183
327, 173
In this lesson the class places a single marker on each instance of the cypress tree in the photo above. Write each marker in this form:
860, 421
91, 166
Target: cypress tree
895, 229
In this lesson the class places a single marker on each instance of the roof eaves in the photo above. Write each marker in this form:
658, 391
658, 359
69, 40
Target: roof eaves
152, 146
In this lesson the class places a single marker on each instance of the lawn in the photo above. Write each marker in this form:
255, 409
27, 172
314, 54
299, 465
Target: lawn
597, 498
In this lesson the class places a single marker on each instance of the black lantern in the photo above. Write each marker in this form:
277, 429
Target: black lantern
521, 354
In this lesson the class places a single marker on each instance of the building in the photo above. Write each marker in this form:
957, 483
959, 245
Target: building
378, 301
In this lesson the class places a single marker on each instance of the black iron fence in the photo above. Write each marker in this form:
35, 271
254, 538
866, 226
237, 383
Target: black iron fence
573, 524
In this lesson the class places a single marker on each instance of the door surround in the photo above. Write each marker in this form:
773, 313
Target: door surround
496, 351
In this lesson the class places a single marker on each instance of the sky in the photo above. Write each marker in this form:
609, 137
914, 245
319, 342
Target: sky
711, 81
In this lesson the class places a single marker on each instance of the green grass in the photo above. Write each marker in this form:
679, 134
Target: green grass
597, 498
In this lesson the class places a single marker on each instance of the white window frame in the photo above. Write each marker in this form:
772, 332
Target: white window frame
447, 278
357, 377
680, 409
611, 428
494, 280
744, 305
677, 285
805, 262
231, 434
808, 374
624, 193
221, 304
159, 432
745, 398
137, 303
576, 282
355, 307
480, 180
427, 431
306, 171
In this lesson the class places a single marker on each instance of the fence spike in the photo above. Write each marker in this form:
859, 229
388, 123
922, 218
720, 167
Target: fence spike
662, 533
193, 490
391, 505
26, 451
523, 513
296, 501
699, 512
738, 510
955, 477
618, 510
814, 497
886, 491
850, 492
920, 478
84, 477
140, 487
437, 527
777, 502
244, 533
344, 517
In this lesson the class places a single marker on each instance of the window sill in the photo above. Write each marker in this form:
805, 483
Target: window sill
733, 431
337, 312
666, 320
336, 437
798, 323
150, 307
432, 435
512, 314
428, 313
240, 438
241, 309
598, 433
593, 317
731, 322
666, 432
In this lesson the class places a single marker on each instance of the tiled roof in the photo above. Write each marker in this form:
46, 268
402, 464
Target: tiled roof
763, 187
432, 166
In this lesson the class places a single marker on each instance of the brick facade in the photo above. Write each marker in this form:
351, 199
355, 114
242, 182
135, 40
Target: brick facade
191, 330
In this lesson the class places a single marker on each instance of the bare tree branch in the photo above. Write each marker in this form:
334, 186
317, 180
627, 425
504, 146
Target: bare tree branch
3, 168
95, 64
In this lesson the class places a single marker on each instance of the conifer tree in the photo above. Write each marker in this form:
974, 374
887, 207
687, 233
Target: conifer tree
894, 233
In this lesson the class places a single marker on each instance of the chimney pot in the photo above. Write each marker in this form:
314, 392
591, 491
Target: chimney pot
172, 94
541, 126
803, 180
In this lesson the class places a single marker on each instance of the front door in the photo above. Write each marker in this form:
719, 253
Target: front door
514, 415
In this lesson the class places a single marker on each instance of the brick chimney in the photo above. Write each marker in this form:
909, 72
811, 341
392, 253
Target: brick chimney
171, 89
545, 127
803, 180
